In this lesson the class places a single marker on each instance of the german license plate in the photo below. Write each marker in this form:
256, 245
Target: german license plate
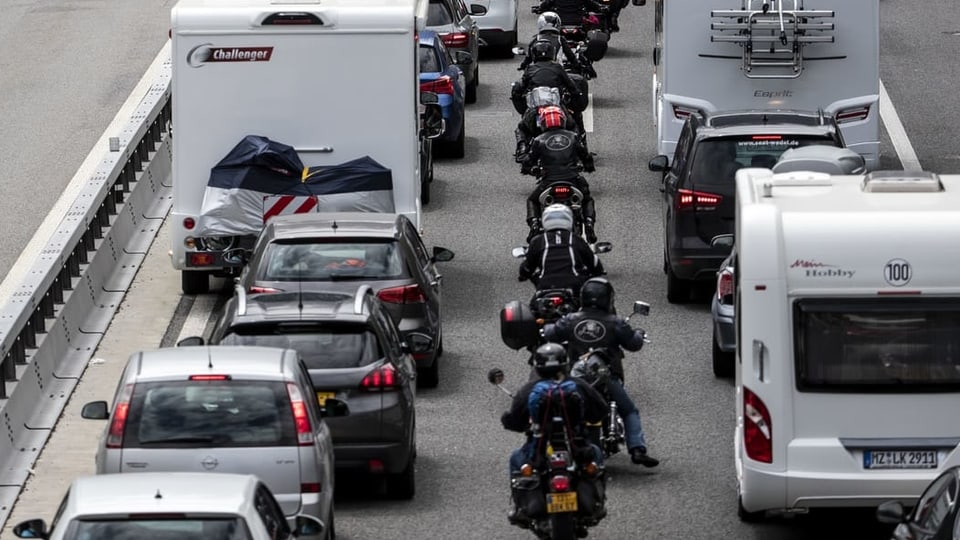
900, 459
561, 502
322, 397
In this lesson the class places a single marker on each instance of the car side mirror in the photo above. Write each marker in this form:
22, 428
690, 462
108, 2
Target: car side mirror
307, 526
462, 58
659, 164
641, 308
34, 528
333, 408
518, 252
722, 241
95, 410
441, 254
417, 343
192, 341
477, 9
602, 247
495, 376
432, 116
890, 512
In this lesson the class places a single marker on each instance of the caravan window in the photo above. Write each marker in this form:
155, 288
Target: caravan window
891, 345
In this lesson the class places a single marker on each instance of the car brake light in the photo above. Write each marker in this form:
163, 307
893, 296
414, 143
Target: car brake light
209, 377
442, 85
853, 115
410, 294
688, 200
455, 40
681, 112
757, 431
119, 420
383, 378
767, 137
724, 285
559, 483
261, 290
300, 417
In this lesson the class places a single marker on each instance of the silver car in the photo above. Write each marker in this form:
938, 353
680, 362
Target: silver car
185, 506
724, 329
248, 410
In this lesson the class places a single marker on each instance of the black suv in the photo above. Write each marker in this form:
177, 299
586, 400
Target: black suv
699, 185
354, 353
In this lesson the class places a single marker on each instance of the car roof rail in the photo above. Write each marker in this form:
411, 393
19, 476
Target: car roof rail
241, 299
362, 292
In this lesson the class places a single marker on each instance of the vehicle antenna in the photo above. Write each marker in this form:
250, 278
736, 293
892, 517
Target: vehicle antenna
209, 359
334, 226
300, 289
158, 495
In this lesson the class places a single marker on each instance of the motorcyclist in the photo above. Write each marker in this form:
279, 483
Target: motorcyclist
559, 153
587, 405
596, 325
548, 29
571, 12
527, 128
558, 258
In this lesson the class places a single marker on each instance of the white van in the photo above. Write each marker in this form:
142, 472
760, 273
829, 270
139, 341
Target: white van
710, 55
336, 80
848, 337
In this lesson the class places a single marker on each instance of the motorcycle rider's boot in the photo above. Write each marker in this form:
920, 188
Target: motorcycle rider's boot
639, 456
521, 152
535, 229
588, 229
614, 27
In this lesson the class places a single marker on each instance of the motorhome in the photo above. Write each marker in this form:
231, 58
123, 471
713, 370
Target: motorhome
336, 81
847, 326
713, 55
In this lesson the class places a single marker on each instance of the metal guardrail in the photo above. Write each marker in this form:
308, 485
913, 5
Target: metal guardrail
54, 320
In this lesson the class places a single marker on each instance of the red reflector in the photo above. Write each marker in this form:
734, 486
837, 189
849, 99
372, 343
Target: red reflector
375, 466
311, 487
852, 115
202, 259
687, 199
410, 294
455, 40
682, 113
189, 223
559, 483
443, 85
767, 137
759, 287
209, 377
258, 290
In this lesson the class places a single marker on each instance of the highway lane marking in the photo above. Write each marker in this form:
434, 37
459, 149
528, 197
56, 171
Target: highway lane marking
588, 115
898, 135
199, 315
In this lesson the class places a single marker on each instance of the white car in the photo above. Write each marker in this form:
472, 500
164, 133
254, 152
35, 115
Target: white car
185, 506
498, 26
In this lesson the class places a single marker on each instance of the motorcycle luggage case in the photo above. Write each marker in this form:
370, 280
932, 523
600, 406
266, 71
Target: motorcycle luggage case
579, 104
597, 42
518, 326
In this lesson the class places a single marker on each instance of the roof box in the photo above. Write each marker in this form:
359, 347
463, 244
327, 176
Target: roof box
822, 159
901, 182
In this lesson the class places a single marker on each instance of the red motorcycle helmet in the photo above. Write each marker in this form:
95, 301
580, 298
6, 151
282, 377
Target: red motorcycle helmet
551, 117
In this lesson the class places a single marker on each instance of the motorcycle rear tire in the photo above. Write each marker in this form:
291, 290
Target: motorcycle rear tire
562, 527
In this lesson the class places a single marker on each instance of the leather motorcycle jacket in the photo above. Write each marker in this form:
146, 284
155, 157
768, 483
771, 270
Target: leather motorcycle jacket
559, 259
596, 329
558, 152
547, 73
558, 45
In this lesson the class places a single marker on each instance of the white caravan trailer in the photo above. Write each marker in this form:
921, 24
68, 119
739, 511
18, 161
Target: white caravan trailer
337, 81
848, 337
715, 55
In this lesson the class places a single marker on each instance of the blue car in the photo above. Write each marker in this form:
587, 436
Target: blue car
441, 73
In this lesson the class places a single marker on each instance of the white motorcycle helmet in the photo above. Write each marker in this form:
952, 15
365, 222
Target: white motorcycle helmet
548, 21
557, 217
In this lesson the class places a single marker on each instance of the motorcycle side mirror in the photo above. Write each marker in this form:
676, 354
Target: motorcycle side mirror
641, 308
602, 247
495, 376
518, 51
519, 252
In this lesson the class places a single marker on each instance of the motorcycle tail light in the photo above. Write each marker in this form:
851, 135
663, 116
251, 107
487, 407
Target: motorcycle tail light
559, 483
561, 192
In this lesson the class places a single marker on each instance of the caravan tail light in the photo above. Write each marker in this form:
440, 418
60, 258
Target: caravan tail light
681, 112
853, 115
456, 40
442, 85
300, 417
119, 420
411, 294
189, 223
687, 199
757, 431
724, 285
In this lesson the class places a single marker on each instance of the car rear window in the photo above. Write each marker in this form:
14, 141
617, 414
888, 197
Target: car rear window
428, 60
716, 161
333, 260
438, 14
222, 413
320, 346
160, 528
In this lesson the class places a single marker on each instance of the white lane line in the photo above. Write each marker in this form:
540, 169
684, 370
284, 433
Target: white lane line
898, 135
196, 320
588, 115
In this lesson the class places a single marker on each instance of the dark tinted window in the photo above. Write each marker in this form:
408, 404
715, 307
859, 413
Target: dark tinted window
320, 346
270, 513
891, 345
332, 260
716, 161
207, 528
221, 413
428, 60
438, 14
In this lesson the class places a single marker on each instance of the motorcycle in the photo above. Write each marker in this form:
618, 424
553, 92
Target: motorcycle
561, 490
593, 367
567, 193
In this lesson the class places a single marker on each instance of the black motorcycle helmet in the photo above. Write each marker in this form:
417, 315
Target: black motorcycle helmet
597, 293
549, 360
542, 50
